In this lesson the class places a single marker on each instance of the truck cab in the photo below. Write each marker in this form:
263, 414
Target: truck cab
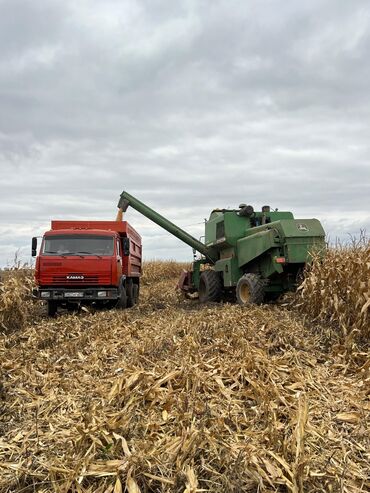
88, 262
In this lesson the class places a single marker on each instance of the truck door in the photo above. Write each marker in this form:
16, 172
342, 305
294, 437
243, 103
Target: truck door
119, 259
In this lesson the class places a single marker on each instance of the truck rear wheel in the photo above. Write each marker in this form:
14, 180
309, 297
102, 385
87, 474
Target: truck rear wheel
52, 308
250, 290
135, 290
210, 286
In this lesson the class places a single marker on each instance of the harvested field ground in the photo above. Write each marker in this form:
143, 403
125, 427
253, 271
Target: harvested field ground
172, 396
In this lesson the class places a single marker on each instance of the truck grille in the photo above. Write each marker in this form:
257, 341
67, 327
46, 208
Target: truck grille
93, 279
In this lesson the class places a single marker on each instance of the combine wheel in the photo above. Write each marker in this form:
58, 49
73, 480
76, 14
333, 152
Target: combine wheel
210, 286
250, 290
52, 308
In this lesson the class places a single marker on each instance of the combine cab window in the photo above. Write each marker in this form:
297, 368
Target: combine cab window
220, 230
78, 245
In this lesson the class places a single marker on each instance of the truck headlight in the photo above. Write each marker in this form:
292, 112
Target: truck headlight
45, 294
102, 294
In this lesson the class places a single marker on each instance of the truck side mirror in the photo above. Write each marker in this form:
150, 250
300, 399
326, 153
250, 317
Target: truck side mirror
126, 246
34, 246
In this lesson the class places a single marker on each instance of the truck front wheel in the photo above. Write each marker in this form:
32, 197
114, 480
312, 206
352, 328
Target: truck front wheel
130, 293
52, 308
122, 300
250, 290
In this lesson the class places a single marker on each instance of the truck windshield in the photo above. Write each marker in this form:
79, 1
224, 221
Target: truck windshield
78, 245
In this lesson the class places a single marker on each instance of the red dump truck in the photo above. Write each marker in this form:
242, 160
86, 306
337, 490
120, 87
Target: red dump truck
88, 262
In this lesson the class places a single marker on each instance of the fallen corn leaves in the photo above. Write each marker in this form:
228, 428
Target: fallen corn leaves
172, 396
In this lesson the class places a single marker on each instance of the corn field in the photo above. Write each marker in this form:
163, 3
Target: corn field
336, 291
173, 396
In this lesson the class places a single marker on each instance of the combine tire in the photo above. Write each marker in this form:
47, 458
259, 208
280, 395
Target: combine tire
52, 308
250, 290
210, 286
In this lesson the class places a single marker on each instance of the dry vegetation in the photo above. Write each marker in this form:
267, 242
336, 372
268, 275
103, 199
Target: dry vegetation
16, 306
337, 290
171, 396
155, 271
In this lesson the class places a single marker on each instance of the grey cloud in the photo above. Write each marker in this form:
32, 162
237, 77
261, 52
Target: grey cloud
190, 106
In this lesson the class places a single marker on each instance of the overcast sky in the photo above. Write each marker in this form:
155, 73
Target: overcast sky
189, 105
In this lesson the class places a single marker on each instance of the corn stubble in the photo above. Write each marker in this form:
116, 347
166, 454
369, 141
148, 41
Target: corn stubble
172, 396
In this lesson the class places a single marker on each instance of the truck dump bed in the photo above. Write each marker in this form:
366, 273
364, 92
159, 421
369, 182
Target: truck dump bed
117, 226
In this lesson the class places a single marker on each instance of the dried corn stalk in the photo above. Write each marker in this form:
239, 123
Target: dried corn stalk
172, 396
336, 290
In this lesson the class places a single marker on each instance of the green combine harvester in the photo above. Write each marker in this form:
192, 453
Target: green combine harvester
247, 255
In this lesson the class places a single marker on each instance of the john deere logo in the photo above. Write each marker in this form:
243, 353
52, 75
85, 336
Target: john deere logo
302, 227
72, 278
